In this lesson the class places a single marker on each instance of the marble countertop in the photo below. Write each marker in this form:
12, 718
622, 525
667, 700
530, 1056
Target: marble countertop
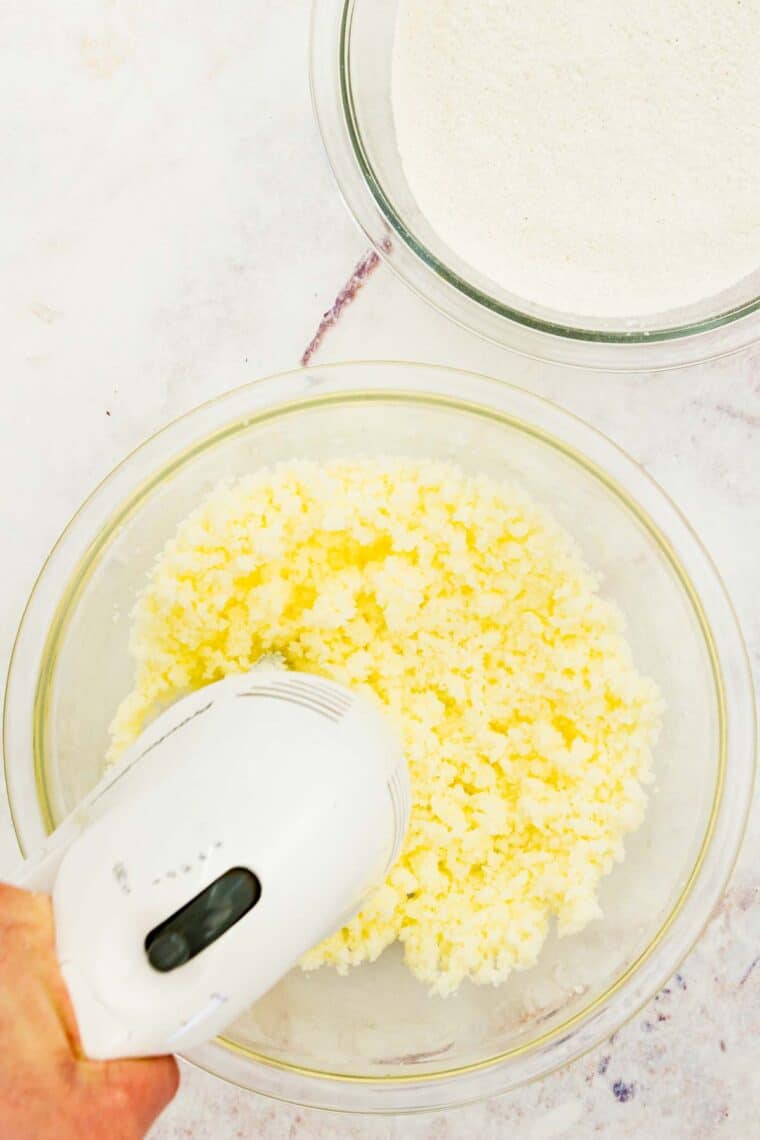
170, 229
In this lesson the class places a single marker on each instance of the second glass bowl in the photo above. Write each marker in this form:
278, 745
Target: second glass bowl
351, 59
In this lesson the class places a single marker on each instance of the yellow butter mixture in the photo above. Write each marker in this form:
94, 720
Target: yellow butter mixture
469, 612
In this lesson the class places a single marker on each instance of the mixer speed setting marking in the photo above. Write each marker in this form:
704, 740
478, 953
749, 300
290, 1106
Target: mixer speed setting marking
187, 868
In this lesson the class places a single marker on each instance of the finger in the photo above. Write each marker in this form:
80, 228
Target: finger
30, 977
141, 1088
24, 916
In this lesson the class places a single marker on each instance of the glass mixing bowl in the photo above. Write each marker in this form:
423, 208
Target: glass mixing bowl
375, 1040
351, 54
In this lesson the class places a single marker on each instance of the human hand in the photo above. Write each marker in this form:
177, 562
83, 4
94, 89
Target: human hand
48, 1088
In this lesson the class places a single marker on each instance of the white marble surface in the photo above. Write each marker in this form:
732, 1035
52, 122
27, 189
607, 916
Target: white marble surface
169, 229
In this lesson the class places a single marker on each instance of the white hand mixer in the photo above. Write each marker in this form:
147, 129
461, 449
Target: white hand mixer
248, 822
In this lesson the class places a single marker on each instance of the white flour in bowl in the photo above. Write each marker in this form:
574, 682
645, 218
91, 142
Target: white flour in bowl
591, 156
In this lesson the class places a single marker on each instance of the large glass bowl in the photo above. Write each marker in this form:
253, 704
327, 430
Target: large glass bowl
375, 1040
351, 54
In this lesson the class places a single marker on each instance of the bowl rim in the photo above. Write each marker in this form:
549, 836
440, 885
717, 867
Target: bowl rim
445, 288
321, 385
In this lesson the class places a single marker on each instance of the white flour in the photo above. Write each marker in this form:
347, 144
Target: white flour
593, 156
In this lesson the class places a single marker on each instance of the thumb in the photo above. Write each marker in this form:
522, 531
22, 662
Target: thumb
135, 1091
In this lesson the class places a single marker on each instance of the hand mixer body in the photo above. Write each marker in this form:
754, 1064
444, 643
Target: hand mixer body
248, 822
